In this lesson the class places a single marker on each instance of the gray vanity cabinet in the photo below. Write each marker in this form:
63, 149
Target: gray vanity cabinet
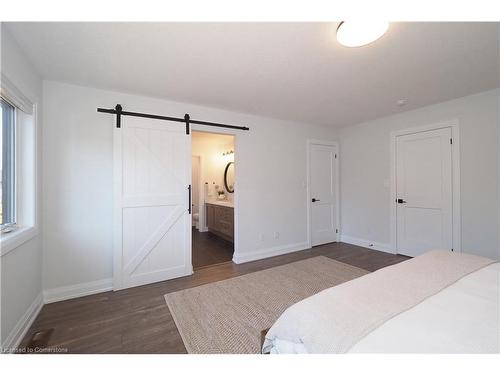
220, 221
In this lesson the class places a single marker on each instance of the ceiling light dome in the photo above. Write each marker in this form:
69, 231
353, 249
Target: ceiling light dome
360, 33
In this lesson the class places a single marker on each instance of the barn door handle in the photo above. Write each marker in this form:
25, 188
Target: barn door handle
189, 198
401, 201
315, 200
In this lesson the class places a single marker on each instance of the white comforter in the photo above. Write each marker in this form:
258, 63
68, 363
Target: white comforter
462, 318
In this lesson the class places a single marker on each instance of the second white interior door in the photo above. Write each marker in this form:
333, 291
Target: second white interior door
424, 192
322, 187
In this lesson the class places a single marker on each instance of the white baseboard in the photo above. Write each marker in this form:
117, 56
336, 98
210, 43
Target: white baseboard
270, 252
21, 328
366, 243
77, 290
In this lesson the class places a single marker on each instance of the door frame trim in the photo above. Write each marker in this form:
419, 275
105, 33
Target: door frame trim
336, 174
201, 195
455, 160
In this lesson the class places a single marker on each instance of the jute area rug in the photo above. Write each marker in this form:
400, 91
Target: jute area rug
228, 316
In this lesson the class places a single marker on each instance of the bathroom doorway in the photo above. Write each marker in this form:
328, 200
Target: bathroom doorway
212, 198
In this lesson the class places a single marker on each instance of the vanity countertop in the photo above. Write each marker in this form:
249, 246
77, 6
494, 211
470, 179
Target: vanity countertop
223, 203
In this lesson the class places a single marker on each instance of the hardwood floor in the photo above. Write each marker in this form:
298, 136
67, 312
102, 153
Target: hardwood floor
137, 320
209, 249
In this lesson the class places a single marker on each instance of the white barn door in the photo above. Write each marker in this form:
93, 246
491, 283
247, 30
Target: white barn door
152, 225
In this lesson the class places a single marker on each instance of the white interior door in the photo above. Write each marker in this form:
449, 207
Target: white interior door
322, 188
424, 192
152, 172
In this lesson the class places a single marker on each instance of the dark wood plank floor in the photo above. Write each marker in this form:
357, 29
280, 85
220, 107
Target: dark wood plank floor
209, 249
137, 320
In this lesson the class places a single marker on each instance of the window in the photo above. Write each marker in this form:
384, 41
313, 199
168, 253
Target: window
18, 167
8, 165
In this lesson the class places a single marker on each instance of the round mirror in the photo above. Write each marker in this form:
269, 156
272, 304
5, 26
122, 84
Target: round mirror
229, 177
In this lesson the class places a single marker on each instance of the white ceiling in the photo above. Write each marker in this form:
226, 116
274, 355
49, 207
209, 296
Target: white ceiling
294, 71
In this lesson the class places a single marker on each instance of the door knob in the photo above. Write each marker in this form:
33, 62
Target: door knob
401, 201
315, 200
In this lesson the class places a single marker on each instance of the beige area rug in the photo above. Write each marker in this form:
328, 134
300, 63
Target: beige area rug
228, 316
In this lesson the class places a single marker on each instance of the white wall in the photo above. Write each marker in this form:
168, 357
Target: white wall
365, 171
498, 189
21, 268
271, 177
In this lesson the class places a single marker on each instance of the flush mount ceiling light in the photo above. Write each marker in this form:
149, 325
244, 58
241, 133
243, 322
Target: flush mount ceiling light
360, 33
402, 102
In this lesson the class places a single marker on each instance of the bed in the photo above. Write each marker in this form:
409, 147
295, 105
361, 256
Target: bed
439, 302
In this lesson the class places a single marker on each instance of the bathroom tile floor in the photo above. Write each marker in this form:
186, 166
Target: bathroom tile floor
209, 249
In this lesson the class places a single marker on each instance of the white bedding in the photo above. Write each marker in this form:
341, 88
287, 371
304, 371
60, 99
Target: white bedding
462, 318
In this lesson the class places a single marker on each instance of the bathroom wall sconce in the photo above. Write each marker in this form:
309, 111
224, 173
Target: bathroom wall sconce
225, 153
